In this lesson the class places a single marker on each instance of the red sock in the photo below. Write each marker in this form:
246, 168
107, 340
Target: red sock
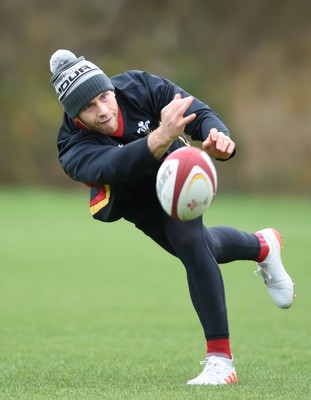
220, 346
264, 248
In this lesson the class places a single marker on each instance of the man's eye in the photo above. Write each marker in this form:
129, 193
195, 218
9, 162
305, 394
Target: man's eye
87, 107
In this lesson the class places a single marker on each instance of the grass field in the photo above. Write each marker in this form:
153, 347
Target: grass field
97, 311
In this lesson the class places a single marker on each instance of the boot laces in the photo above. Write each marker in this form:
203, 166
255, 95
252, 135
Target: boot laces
211, 366
265, 274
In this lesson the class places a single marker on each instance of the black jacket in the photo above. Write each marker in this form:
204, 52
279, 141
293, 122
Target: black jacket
121, 170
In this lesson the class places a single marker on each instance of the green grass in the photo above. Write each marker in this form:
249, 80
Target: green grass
97, 311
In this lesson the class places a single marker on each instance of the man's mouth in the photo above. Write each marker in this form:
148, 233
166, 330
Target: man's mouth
105, 122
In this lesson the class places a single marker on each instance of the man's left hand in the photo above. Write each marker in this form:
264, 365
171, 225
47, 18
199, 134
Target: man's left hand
218, 145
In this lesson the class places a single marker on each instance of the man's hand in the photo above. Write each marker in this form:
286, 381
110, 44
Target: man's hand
173, 121
218, 145
172, 125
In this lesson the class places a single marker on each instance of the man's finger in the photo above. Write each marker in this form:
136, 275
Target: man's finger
189, 118
231, 147
177, 96
213, 134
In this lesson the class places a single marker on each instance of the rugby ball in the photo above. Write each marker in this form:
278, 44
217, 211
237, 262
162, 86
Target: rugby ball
186, 183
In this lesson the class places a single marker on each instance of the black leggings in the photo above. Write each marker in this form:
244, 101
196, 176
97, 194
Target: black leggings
201, 249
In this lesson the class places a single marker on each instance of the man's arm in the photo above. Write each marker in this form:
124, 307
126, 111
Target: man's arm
173, 122
93, 158
198, 120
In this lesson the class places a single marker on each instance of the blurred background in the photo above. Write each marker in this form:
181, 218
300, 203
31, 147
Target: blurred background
76, 296
250, 61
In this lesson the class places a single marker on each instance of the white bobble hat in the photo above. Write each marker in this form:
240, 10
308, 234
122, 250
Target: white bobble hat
76, 81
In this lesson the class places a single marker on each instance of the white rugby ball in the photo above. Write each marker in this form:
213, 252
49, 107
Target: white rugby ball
186, 183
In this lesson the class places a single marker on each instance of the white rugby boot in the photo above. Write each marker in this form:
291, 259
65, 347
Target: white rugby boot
217, 371
279, 283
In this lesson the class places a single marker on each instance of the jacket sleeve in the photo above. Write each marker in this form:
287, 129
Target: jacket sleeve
86, 159
206, 117
162, 92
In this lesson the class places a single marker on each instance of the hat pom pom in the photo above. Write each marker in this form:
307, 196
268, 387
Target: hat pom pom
60, 58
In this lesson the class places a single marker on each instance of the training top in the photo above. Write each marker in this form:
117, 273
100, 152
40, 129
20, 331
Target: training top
120, 169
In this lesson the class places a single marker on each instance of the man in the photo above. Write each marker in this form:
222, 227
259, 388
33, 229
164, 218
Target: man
114, 136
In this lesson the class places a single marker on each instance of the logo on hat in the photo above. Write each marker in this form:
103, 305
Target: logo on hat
65, 84
68, 78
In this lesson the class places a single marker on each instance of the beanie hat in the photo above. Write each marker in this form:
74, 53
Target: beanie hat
76, 81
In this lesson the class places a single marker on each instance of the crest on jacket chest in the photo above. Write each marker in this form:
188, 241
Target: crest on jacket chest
143, 128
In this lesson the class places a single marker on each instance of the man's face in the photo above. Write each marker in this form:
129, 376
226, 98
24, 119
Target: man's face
101, 113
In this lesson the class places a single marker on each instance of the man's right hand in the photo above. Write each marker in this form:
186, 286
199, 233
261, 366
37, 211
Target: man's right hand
172, 125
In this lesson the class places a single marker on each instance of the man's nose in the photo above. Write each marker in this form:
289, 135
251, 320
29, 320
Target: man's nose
101, 108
